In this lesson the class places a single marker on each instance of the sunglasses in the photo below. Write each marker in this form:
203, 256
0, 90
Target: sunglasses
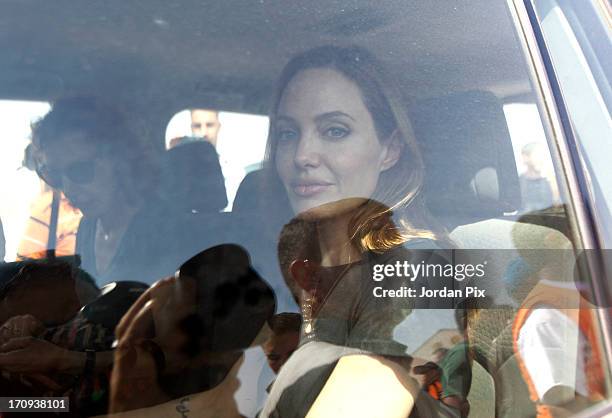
79, 172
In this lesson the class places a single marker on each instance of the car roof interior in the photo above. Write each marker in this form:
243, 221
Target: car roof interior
226, 55
154, 58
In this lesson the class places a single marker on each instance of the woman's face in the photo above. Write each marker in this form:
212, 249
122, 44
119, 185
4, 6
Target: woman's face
328, 155
73, 164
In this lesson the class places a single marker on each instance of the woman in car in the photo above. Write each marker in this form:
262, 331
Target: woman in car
342, 146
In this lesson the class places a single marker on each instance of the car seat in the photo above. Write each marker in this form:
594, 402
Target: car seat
470, 173
192, 179
472, 186
260, 211
193, 189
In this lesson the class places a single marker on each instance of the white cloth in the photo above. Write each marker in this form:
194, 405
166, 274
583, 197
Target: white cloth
253, 373
551, 346
233, 170
233, 175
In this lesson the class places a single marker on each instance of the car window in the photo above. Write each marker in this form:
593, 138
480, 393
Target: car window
280, 209
21, 186
584, 71
532, 156
239, 139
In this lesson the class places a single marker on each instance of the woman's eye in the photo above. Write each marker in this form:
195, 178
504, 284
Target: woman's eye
286, 135
336, 132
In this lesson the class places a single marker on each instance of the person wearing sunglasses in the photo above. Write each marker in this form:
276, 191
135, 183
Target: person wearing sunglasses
88, 151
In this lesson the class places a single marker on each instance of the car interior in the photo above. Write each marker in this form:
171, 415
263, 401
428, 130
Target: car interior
460, 65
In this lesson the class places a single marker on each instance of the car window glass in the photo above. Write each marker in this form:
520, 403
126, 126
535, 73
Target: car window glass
263, 208
582, 65
532, 157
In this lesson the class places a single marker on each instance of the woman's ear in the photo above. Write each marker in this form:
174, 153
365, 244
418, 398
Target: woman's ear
392, 151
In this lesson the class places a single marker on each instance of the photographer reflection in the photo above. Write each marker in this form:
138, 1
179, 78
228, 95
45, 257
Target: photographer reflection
58, 332
126, 233
185, 337
52, 291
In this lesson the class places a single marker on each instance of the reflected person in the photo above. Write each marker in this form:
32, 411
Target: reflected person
284, 339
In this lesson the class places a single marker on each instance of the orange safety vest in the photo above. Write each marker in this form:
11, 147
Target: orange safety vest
582, 315
435, 390
35, 239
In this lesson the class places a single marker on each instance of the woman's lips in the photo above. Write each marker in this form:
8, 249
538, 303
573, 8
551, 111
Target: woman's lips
309, 189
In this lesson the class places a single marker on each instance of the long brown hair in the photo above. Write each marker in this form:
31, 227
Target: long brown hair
396, 212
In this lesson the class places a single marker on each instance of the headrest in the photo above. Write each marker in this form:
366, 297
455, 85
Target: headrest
233, 304
192, 178
469, 161
263, 196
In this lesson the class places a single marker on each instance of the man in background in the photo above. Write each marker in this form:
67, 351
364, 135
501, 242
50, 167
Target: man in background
205, 125
535, 188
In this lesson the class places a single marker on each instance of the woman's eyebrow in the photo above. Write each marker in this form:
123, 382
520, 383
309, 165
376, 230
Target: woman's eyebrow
334, 114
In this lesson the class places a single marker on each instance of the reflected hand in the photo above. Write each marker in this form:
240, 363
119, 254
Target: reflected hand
134, 381
158, 315
29, 355
171, 297
149, 336
20, 326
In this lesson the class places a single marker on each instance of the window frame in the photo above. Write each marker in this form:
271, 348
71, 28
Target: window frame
558, 127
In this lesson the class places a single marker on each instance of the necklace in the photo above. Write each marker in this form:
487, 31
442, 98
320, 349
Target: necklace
315, 295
